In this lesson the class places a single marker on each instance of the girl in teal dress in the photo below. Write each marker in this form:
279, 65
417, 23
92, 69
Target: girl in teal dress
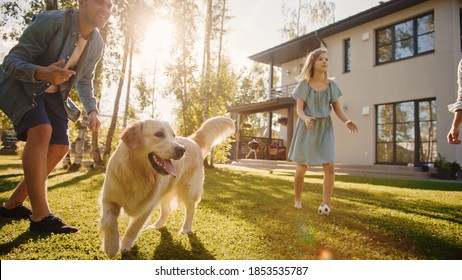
313, 141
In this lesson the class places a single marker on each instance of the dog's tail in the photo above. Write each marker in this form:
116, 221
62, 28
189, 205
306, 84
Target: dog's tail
212, 132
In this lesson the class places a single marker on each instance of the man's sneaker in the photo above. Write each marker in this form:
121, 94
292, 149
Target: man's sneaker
19, 212
51, 224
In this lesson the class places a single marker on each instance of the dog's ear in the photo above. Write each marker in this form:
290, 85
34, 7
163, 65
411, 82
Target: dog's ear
133, 136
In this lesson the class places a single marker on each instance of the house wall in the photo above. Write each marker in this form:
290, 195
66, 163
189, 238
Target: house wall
367, 84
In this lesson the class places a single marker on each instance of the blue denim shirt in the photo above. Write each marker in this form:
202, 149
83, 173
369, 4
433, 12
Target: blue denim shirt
52, 36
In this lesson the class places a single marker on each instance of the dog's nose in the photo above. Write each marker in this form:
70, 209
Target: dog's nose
179, 151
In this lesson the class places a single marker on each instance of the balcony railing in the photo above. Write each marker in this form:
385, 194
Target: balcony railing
282, 91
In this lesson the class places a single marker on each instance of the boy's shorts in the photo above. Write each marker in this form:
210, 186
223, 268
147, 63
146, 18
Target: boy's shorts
49, 110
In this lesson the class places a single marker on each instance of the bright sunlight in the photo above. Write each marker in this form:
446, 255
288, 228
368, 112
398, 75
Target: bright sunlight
152, 59
157, 41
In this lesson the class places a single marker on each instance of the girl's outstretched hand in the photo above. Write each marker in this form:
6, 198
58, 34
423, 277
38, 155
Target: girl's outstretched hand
352, 127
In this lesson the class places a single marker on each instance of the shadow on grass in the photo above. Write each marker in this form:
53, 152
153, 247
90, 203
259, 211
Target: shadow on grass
400, 183
414, 238
403, 235
168, 249
75, 180
23, 238
427, 208
390, 182
8, 185
11, 166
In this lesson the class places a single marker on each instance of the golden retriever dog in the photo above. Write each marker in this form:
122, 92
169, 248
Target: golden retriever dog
152, 167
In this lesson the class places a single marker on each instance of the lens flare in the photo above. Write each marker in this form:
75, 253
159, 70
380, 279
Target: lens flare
307, 235
325, 254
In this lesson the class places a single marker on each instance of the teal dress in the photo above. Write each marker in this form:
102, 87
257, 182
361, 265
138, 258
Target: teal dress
315, 147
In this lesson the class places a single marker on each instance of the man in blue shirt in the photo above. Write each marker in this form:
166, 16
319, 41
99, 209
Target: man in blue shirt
59, 50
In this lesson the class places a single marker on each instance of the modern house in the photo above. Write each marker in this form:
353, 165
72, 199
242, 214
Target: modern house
396, 66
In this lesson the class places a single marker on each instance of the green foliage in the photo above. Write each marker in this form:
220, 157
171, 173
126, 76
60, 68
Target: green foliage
22, 14
5, 122
250, 215
308, 16
182, 71
441, 163
145, 92
221, 152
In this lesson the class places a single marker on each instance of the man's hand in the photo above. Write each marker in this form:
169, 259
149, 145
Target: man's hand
93, 121
54, 73
453, 136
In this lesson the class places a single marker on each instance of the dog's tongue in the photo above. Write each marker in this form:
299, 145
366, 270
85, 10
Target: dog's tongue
169, 167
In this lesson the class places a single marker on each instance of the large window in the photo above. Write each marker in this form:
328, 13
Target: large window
406, 39
406, 132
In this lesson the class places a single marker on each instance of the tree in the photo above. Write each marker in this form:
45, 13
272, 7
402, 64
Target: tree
130, 66
138, 18
98, 88
206, 64
131, 16
144, 90
252, 88
51, 5
181, 71
308, 16
217, 86
112, 126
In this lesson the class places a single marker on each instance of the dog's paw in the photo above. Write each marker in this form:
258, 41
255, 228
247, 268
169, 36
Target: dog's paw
111, 249
127, 244
156, 225
185, 231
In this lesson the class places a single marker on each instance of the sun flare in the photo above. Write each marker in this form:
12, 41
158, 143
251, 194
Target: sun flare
157, 41
151, 60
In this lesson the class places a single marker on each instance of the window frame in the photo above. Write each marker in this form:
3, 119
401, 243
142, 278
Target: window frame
394, 40
417, 121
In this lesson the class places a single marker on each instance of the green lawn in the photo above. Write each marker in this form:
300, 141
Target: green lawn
251, 216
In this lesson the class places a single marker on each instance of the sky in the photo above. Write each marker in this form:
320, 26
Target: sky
256, 23
254, 27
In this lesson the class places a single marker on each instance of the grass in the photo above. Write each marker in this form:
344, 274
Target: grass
250, 216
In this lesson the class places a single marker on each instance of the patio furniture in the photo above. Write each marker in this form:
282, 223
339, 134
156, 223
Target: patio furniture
253, 148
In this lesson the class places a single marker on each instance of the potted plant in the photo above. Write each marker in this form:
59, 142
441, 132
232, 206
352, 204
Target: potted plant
446, 169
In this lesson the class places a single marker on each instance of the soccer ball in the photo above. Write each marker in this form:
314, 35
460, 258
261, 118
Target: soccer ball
324, 210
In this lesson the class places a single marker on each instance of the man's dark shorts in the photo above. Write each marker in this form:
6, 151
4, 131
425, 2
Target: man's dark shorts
49, 110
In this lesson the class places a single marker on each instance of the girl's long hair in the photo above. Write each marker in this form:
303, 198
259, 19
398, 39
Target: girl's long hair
308, 68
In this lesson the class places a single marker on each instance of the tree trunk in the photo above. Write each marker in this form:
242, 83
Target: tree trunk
67, 161
206, 64
51, 5
80, 144
98, 88
110, 133
207, 55
127, 101
217, 86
